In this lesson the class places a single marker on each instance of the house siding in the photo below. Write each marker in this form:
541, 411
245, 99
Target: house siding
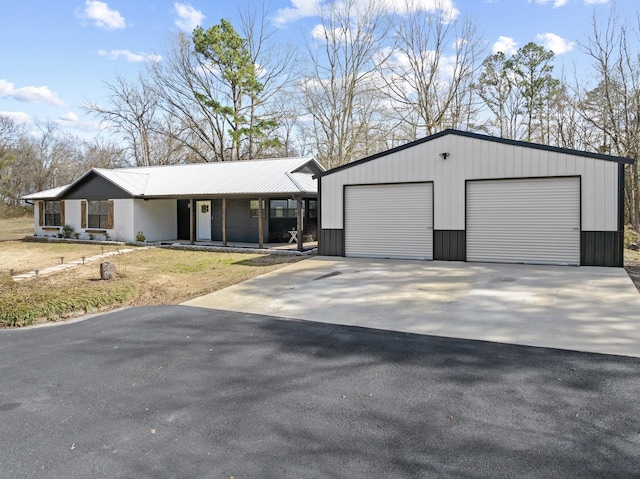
472, 158
157, 219
241, 227
469, 159
450, 245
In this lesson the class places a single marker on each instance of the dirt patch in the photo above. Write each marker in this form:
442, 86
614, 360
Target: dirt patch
632, 266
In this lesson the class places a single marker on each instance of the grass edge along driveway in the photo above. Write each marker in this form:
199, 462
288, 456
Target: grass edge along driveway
149, 277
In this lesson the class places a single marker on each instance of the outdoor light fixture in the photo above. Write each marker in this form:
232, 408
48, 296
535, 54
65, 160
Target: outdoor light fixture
445, 155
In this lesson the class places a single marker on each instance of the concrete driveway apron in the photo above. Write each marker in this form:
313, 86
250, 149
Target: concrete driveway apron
578, 308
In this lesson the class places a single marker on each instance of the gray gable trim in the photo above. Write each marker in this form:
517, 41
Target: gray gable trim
479, 136
312, 166
93, 186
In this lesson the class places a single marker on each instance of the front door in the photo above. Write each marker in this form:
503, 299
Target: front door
203, 220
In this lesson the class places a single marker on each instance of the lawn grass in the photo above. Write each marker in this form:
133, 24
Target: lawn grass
145, 277
22, 304
16, 228
23, 256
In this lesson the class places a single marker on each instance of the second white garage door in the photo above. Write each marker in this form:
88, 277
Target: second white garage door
533, 221
389, 221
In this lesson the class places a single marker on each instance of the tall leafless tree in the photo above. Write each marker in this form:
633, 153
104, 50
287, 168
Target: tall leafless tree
131, 111
431, 68
612, 107
339, 91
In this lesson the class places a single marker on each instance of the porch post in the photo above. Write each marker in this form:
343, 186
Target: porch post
260, 223
192, 220
299, 222
224, 221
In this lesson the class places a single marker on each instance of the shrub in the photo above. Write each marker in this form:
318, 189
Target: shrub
67, 231
140, 237
630, 236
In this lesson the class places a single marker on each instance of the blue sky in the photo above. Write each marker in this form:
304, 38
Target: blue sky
56, 54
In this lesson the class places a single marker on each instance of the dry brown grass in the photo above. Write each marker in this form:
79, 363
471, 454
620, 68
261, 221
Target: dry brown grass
23, 256
174, 276
146, 277
15, 228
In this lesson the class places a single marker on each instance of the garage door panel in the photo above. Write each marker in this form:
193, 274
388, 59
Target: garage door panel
524, 221
389, 221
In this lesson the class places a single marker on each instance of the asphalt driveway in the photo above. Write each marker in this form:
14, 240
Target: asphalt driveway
584, 309
165, 392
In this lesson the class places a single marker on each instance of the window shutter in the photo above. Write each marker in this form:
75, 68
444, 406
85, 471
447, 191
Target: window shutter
41, 213
62, 218
110, 215
83, 214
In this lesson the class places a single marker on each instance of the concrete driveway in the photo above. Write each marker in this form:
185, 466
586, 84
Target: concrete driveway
585, 309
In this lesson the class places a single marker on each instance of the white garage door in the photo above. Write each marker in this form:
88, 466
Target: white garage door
389, 221
533, 221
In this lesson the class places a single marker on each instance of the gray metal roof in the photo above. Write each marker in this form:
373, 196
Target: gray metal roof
46, 194
272, 176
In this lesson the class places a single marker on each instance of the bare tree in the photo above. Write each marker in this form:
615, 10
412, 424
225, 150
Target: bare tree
99, 153
37, 162
131, 112
612, 108
10, 133
339, 93
431, 68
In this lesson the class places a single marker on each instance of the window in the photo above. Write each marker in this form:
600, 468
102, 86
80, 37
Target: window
313, 208
52, 213
98, 216
283, 208
254, 206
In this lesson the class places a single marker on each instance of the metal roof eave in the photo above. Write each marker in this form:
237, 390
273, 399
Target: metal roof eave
478, 136
205, 196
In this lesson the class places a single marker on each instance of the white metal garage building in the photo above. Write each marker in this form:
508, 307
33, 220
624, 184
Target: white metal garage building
463, 196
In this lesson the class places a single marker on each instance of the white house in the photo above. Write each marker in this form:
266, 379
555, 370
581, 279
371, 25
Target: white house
243, 201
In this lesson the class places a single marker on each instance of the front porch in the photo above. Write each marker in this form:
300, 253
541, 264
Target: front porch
306, 248
264, 222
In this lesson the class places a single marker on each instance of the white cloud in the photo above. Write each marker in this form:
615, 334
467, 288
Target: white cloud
72, 121
31, 94
16, 116
595, 2
188, 17
506, 45
310, 8
129, 55
69, 117
446, 7
299, 9
319, 32
101, 15
555, 43
556, 3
